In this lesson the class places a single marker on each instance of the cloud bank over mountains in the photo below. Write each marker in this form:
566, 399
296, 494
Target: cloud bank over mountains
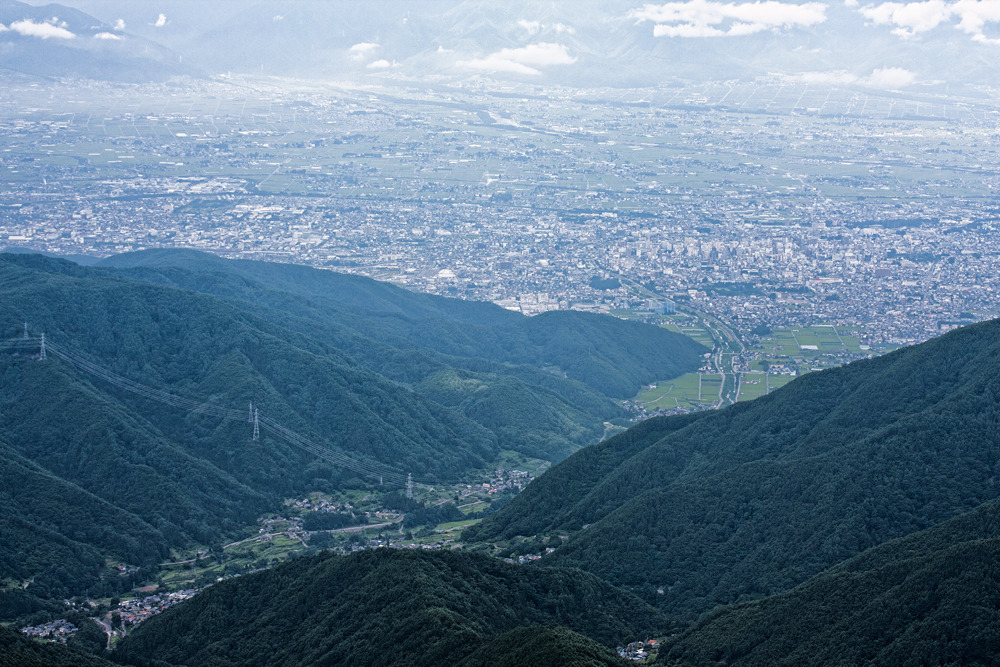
42, 30
886, 78
525, 60
709, 18
580, 42
911, 19
706, 18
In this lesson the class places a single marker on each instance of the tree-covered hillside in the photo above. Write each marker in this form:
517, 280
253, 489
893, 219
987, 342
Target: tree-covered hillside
331, 359
16, 650
610, 356
56, 536
543, 647
694, 512
385, 607
929, 598
420, 339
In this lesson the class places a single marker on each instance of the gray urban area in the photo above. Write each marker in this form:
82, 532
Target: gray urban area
737, 209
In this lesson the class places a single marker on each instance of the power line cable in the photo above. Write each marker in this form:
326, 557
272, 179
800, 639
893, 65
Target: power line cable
335, 457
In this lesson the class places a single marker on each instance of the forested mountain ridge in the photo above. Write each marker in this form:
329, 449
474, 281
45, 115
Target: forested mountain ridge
933, 596
387, 607
16, 650
755, 499
147, 477
493, 357
550, 646
610, 356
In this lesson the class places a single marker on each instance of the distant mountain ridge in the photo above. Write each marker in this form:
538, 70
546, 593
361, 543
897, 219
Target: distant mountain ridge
587, 44
57, 41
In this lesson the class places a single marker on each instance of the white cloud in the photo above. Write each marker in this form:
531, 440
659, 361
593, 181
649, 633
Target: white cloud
107, 35
886, 78
909, 19
890, 77
913, 18
161, 21
120, 24
379, 64
851, 4
686, 30
525, 60
29, 28
363, 50
533, 27
708, 18
277, 18
973, 16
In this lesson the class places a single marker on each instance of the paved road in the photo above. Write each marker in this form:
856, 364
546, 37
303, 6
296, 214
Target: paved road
107, 630
349, 529
723, 336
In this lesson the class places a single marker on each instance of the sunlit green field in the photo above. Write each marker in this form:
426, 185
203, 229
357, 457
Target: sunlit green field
755, 385
682, 392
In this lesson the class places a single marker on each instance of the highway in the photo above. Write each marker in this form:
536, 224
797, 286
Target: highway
726, 343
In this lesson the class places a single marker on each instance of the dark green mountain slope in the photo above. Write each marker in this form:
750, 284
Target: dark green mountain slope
610, 356
379, 340
929, 598
349, 292
152, 476
167, 477
554, 497
55, 535
202, 346
383, 607
755, 499
419, 339
16, 650
543, 647
533, 420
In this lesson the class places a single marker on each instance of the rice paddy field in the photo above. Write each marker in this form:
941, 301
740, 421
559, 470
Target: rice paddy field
776, 360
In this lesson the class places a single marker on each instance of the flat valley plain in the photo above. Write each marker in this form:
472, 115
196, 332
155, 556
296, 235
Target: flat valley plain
777, 202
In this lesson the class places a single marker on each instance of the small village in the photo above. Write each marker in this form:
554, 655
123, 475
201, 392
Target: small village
58, 630
644, 651
138, 610
278, 537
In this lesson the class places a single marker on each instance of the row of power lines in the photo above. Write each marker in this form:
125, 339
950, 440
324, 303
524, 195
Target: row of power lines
374, 471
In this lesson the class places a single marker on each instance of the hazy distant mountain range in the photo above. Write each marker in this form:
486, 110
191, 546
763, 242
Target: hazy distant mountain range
58, 41
621, 43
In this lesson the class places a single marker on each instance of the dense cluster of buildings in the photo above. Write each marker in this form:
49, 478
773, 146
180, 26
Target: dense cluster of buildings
58, 630
502, 480
760, 219
137, 610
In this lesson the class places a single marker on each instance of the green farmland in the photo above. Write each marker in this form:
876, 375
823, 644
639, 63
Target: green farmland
682, 392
